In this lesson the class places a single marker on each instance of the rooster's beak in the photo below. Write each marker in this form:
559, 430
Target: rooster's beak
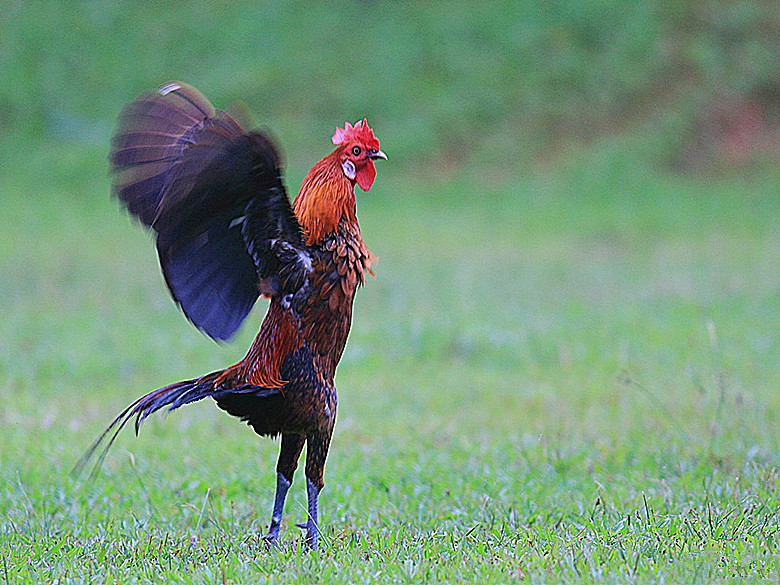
378, 154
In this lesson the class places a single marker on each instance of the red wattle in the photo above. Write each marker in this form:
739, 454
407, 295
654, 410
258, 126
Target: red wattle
365, 175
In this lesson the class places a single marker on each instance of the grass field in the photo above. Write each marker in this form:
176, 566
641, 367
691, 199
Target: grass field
572, 377
566, 371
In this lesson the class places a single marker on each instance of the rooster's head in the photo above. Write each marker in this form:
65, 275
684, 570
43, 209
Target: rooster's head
359, 148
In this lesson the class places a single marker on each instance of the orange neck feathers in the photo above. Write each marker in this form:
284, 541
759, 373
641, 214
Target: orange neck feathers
325, 196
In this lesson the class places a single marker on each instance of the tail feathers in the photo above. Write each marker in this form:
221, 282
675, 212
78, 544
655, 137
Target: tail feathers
173, 396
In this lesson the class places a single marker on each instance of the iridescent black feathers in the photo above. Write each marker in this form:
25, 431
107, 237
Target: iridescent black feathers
214, 195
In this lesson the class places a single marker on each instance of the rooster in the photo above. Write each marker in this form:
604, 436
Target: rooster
227, 234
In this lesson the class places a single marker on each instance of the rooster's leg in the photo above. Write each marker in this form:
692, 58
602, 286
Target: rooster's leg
290, 451
316, 453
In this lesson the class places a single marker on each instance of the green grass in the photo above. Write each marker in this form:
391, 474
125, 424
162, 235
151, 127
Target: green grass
566, 370
570, 377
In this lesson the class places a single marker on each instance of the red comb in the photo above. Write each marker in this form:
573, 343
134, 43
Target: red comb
360, 131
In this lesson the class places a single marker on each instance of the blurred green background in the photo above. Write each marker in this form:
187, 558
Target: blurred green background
515, 85
578, 231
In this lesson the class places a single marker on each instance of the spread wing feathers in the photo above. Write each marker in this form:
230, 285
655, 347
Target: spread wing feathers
151, 134
214, 195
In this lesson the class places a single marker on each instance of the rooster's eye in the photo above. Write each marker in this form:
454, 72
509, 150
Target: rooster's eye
356, 150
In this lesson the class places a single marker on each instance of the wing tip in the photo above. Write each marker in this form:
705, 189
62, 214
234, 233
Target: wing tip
167, 88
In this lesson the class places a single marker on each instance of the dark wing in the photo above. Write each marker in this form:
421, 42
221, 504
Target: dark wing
214, 195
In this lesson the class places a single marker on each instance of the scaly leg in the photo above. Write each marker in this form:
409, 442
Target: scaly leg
316, 453
290, 451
